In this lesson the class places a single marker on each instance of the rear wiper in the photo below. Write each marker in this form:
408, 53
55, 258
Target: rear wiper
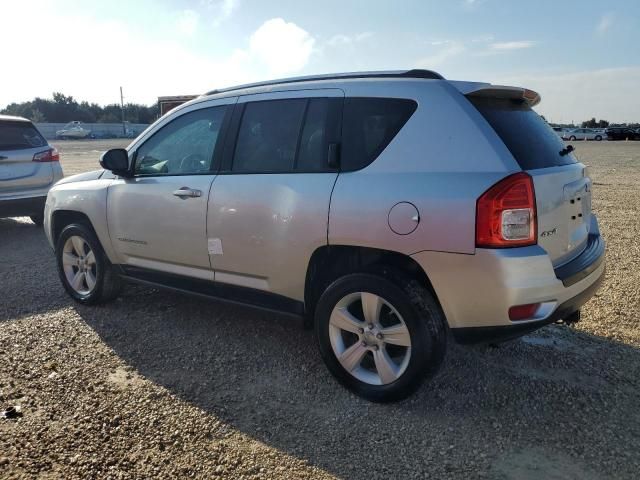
566, 150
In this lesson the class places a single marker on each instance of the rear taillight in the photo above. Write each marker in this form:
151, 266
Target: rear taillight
506, 214
523, 312
50, 155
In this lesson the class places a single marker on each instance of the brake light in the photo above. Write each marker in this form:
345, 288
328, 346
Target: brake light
523, 312
506, 214
50, 155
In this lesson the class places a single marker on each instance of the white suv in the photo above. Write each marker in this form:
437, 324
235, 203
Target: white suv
388, 209
29, 166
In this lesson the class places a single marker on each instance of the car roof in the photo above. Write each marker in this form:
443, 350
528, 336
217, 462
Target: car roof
383, 74
11, 118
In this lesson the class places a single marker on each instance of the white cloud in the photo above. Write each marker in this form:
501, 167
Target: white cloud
483, 39
114, 54
609, 93
283, 47
223, 9
449, 50
340, 39
471, 4
509, 46
188, 23
605, 23
498, 48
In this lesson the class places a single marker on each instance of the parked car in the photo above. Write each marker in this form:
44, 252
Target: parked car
73, 129
621, 133
584, 134
559, 131
351, 201
29, 166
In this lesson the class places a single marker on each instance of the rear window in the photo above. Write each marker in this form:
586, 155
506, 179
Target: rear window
369, 125
528, 137
19, 136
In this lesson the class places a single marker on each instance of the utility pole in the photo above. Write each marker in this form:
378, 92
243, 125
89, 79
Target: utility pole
124, 128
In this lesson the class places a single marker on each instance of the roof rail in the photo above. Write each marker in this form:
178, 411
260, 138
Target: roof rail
415, 73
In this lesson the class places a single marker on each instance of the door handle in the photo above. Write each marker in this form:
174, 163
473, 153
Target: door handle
187, 192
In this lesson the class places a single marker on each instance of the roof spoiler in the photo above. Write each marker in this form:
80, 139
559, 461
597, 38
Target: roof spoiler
502, 91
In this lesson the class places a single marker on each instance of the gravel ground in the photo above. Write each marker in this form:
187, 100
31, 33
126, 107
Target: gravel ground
162, 385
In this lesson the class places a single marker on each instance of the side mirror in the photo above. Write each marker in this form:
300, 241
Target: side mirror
116, 160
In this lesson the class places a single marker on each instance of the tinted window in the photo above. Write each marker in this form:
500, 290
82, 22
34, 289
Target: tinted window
183, 146
527, 136
19, 136
268, 136
312, 153
369, 125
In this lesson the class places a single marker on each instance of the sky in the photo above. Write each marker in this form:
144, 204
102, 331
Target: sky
582, 56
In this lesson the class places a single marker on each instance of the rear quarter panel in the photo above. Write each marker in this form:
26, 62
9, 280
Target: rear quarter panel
441, 161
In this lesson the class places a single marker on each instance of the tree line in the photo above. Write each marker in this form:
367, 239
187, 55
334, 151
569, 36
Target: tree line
593, 123
62, 109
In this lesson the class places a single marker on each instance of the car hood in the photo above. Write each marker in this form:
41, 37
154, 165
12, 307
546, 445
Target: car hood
81, 177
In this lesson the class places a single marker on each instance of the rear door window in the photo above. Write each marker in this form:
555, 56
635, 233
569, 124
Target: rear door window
290, 135
528, 137
268, 136
20, 136
369, 125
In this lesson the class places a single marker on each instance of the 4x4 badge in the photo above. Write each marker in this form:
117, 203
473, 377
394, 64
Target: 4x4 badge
548, 233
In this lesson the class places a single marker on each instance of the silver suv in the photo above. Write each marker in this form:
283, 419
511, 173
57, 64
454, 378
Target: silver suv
388, 209
29, 166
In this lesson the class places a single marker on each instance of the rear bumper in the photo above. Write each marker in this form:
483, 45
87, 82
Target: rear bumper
476, 291
508, 332
584, 264
22, 206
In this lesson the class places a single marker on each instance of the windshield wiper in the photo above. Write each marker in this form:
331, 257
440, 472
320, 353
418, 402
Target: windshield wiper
566, 150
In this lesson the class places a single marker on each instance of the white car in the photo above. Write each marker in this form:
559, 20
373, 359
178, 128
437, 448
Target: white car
29, 166
348, 200
73, 130
583, 134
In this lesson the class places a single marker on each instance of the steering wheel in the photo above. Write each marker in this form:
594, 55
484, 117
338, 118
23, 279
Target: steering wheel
193, 162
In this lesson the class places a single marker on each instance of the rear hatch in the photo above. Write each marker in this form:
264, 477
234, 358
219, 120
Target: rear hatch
19, 142
562, 186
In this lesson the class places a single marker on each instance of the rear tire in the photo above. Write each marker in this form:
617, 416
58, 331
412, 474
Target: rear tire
83, 267
572, 138
598, 138
380, 339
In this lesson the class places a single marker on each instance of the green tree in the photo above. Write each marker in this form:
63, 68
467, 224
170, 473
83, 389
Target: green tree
595, 124
63, 108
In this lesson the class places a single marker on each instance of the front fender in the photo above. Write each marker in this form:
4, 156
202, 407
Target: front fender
87, 197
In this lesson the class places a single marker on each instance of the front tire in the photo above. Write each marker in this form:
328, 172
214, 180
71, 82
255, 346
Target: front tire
380, 339
83, 268
598, 138
572, 138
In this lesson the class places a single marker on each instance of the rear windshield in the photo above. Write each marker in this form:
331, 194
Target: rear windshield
528, 137
19, 136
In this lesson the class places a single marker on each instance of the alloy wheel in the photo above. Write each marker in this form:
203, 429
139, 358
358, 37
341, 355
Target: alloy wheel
79, 265
370, 338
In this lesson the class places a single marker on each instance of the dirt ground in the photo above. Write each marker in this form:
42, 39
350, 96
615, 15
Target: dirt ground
78, 156
162, 385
